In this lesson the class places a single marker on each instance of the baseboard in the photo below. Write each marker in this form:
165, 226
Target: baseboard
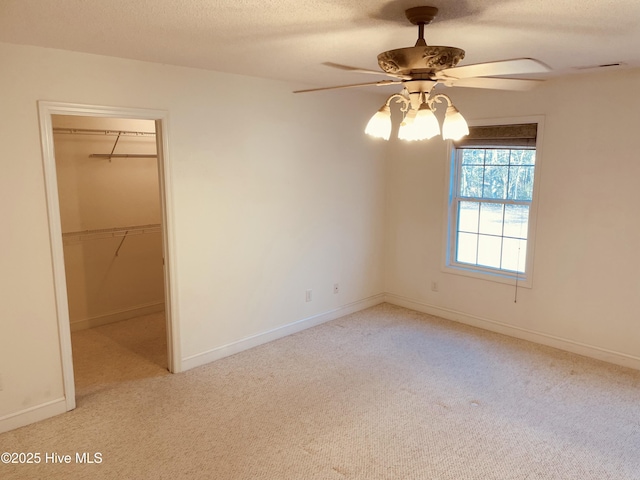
117, 316
591, 351
268, 336
32, 414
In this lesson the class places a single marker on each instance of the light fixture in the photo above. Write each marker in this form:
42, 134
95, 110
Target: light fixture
407, 130
419, 122
455, 127
380, 123
426, 124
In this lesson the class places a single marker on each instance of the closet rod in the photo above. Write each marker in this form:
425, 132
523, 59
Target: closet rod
90, 131
123, 155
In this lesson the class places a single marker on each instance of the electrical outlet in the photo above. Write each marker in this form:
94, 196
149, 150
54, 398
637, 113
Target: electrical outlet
336, 288
307, 296
434, 286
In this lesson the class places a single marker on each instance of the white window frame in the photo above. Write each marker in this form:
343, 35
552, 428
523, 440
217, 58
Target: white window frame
449, 265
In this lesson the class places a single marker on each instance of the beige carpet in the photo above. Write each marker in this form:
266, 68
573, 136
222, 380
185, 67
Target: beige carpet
118, 352
386, 393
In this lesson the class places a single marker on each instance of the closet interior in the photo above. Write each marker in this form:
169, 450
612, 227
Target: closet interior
110, 211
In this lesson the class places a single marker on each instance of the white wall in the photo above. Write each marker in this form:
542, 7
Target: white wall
109, 278
586, 289
273, 194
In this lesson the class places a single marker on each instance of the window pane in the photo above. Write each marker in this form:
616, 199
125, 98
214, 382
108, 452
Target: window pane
495, 182
497, 157
467, 248
491, 218
471, 181
493, 195
473, 156
489, 251
523, 157
521, 183
514, 254
516, 221
468, 213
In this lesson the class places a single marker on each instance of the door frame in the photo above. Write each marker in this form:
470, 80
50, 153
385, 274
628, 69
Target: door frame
46, 109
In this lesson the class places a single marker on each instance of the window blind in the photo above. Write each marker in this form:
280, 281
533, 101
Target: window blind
517, 135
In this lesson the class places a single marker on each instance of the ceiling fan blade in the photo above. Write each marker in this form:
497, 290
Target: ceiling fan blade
517, 66
354, 85
364, 70
515, 84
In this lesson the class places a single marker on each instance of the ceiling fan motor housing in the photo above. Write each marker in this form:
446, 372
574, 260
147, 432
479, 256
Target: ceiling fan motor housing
413, 60
421, 58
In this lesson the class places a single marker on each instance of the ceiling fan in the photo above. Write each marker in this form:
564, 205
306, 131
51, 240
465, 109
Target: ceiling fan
421, 68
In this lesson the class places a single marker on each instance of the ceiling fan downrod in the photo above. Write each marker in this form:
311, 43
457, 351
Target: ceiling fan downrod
421, 16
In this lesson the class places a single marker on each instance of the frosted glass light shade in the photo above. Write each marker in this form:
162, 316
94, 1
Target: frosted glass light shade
380, 124
407, 129
455, 126
425, 124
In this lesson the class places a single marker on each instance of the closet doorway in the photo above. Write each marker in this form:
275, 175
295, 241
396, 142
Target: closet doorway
107, 197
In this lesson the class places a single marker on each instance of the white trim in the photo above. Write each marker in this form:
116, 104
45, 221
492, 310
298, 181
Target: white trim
57, 253
33, 414
117, 316
448, 266
279, 332
46, 109
174, 352
560, 343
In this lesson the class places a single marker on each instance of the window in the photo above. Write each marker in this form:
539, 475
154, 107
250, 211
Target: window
491, 208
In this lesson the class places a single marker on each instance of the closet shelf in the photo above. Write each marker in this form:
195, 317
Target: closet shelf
117, 134
90, 131
123, 155
97, 234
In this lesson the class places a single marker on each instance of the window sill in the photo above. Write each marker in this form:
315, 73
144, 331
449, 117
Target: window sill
488, 275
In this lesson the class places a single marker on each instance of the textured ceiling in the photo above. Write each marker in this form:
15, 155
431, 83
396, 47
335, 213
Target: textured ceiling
289, 40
